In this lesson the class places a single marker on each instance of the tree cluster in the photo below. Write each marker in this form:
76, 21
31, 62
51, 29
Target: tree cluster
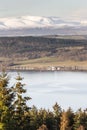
15, 114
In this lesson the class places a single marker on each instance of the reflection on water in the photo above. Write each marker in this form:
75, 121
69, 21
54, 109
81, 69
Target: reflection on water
46, 88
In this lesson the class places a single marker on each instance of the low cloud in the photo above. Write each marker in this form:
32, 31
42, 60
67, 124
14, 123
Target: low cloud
80, 14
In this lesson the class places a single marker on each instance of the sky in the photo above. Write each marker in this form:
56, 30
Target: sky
59, 8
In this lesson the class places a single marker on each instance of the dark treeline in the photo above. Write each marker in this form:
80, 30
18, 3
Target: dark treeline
16, 115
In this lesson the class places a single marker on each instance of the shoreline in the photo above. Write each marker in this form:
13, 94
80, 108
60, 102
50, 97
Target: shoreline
66, 69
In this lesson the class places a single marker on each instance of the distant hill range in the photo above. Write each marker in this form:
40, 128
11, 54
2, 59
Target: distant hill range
35, 25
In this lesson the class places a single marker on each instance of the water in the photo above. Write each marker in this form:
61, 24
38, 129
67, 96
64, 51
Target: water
68, 89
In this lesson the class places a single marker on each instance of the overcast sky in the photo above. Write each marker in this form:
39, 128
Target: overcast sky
60, 8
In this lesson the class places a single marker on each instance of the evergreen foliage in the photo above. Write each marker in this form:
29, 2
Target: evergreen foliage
15, 114
6, 99
21, 110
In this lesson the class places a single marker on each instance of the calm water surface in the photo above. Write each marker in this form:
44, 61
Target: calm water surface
46, 88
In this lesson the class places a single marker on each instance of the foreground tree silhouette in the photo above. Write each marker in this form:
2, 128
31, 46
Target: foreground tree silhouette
57, 114
70, 115
21, 110
6, 99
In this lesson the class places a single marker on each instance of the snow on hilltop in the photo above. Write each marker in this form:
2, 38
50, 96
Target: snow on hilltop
33, 25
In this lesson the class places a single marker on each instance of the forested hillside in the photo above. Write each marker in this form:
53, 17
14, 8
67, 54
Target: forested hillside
35, 47
28, 48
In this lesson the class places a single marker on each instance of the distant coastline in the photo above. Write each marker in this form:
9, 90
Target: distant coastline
50, 68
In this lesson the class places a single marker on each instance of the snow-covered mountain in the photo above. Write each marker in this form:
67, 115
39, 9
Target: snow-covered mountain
35, 25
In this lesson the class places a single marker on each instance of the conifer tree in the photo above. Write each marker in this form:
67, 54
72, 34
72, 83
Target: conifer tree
6, 99
34, 123
80, 119
64, 121
70, 115
21, 110
77, 119
50, 121
57, 114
